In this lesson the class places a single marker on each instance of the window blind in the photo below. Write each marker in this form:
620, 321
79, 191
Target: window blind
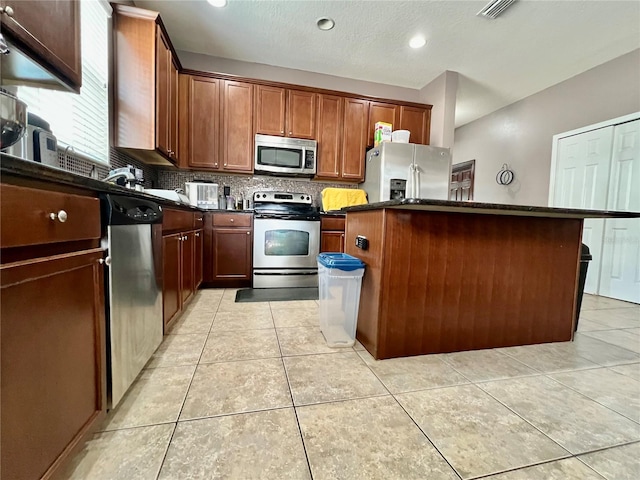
82, 121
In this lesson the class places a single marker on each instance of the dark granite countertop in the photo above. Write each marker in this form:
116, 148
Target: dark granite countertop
18, 167
489, 209
334, 213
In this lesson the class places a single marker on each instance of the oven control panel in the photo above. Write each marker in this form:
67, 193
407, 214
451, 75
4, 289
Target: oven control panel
282, 197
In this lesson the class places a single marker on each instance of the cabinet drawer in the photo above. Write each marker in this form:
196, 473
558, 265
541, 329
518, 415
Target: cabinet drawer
25, 214
231, 220
174, 220
332, 223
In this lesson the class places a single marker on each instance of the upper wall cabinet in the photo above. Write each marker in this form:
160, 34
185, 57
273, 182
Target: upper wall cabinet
237, 126
285, 112
44, 42
418, 121
145, 87
199, 119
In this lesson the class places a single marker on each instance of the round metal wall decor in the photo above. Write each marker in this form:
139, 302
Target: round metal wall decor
505, 176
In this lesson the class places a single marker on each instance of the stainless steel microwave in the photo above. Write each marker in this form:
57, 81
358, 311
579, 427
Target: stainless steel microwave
285, 156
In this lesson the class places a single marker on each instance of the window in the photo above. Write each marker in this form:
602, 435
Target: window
82, 121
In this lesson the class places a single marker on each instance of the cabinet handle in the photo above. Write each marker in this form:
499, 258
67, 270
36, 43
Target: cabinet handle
248, 233
61, 216
225, 164
199, 219
282, 131
290, 133
8, 10
197, 234
4, 48
106, 261
231, 220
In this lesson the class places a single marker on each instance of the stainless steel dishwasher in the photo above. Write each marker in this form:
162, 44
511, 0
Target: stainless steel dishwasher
133, 285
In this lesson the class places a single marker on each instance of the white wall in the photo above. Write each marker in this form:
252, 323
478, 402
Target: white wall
441, 93
521, 134
207, 63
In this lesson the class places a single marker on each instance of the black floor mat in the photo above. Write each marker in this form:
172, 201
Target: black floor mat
276, 294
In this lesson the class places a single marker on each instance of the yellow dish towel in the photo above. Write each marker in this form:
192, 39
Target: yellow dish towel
337, 198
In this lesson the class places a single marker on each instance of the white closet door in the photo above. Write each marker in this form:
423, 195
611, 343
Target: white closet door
620, 277
582, 181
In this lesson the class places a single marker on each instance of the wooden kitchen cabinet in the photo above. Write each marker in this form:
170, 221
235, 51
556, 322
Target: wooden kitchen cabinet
285, 112
182, 260
145, 87
329, 136
237, 127
417, 121
382, 112
199, 106
47, 33
228, 249
53, 346
332, 234
354, 141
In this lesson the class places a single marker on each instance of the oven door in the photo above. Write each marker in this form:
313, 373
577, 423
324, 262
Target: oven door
285, 244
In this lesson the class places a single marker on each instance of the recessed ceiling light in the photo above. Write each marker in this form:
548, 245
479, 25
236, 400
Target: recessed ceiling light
417, 41
325, 23
218, 3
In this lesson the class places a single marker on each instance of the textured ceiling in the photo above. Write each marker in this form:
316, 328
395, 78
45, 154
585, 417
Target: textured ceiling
533, 45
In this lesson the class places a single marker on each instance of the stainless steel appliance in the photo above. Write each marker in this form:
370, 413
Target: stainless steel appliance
407, 170
285, 156
133, 284
202, 194
286, 240
13, 119
38, 143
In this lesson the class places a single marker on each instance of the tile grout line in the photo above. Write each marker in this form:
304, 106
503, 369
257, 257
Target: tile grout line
186, 394
411, 418
295, 410
545, 462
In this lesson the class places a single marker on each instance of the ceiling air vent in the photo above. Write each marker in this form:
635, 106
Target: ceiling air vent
495, 8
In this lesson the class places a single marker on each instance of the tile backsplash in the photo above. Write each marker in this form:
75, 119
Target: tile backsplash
245, 185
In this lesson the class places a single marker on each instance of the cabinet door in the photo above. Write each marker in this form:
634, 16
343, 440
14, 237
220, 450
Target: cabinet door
198, 259
417, 121
171, 255
232, 253
49, 32
203, 122
163, 92
381, 112
173, 109
237, 138
270, 108
329, 135
301, 114
354, 143
186, 265
53, 359
332, 242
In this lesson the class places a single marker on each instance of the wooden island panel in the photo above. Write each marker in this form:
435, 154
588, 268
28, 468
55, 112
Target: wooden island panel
440, 282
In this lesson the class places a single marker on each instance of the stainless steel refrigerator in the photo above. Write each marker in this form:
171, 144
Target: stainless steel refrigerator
407, 170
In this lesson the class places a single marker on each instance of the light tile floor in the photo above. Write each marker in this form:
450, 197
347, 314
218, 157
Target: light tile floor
251, 391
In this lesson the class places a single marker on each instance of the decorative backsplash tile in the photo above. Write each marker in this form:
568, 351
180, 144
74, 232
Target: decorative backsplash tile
246, 185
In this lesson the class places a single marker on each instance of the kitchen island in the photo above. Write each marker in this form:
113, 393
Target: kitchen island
444, 276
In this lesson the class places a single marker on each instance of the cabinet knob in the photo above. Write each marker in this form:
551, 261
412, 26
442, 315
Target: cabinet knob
231, 220
282, 131
106, 261
197, 234
248, 233
61, 216
8, 10
290, 133
225, 164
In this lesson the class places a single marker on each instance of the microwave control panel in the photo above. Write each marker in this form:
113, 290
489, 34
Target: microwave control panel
309, 159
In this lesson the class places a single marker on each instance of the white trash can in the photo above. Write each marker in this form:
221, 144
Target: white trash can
339, 281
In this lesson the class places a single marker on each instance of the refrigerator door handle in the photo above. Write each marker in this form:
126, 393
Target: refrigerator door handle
416, 183
410, 181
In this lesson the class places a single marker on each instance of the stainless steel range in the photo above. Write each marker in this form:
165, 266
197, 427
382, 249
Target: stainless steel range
286, 240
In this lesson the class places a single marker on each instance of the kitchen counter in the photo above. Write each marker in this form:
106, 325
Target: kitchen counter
18, 168
489, 209
446, 276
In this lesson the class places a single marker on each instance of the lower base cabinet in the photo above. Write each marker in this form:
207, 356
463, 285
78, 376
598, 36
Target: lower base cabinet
182, 244
52, 364
332, 234
228, 249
